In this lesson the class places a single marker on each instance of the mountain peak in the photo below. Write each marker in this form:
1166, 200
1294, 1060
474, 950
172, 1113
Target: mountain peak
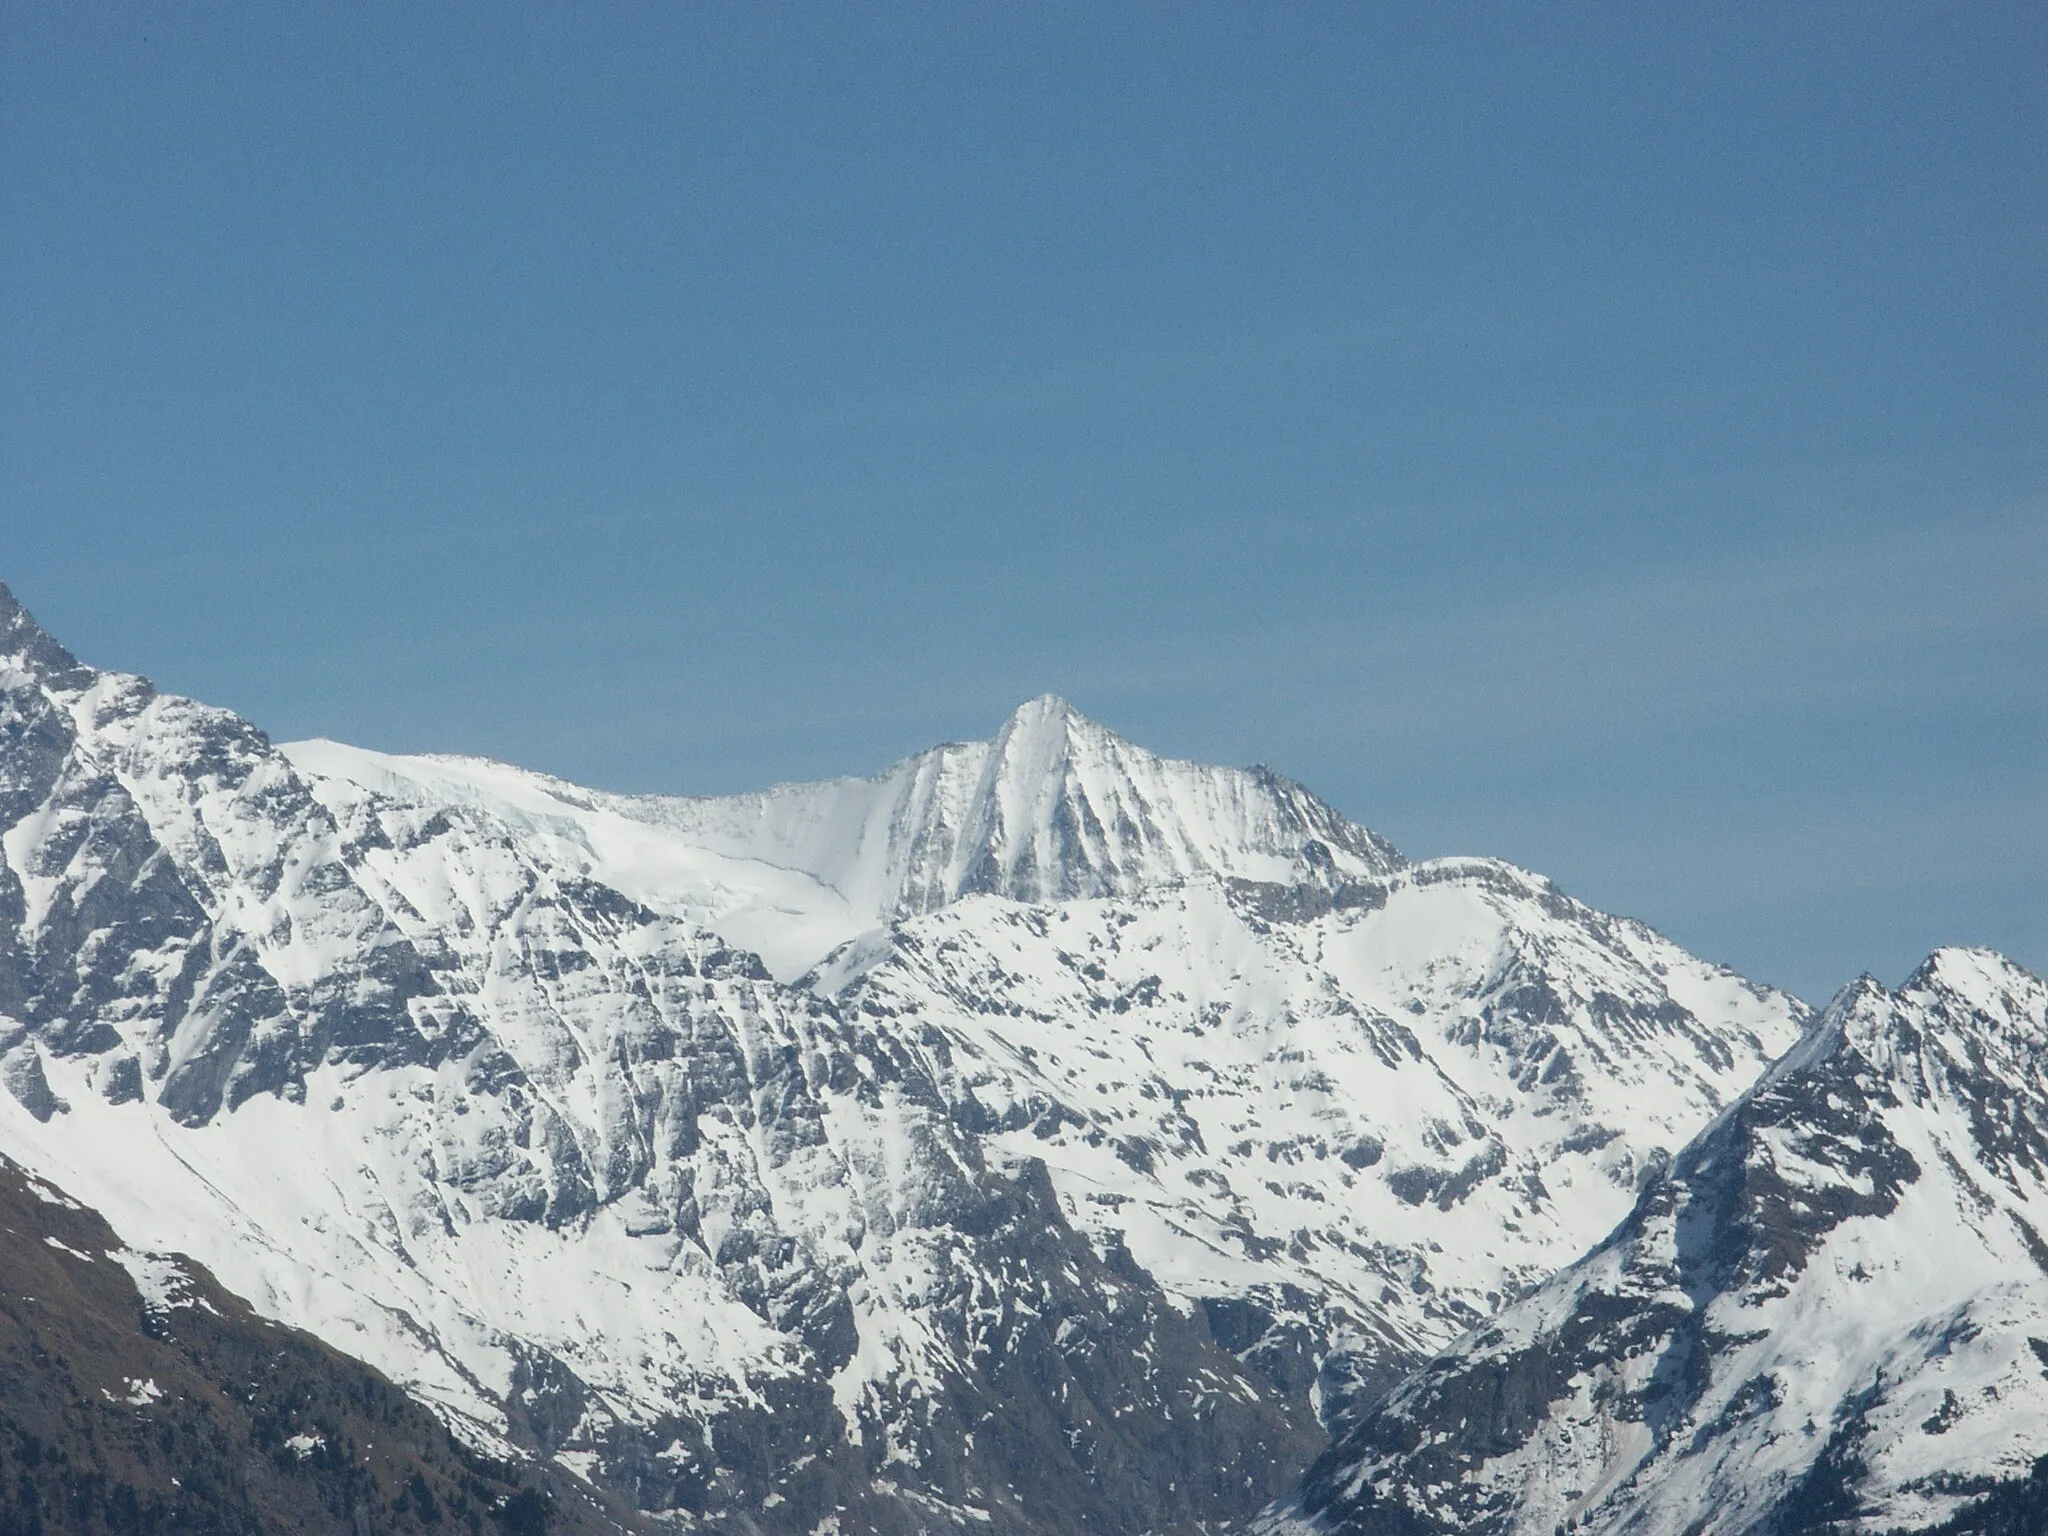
1966, 1023
26, 642
1054, 806
1044, 707
1059, 806
1982, 980
1956, 991
1039, 737
1042, 733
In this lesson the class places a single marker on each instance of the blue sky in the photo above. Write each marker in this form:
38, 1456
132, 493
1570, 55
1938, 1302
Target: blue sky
1610, 437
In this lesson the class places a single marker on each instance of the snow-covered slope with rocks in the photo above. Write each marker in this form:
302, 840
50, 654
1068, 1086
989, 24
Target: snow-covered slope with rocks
1349, 1129
1831, 1313
1097, 1127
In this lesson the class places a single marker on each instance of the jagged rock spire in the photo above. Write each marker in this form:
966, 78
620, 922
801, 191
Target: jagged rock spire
27, 644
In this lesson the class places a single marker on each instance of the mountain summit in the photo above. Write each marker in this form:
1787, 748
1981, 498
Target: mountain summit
26, 645
1055, 807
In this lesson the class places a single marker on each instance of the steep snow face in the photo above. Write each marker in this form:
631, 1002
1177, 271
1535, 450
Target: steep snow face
1830, 1312
1054, 807
1349, 1134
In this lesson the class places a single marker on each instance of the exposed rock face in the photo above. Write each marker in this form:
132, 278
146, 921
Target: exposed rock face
1829, 1313
1041, 1135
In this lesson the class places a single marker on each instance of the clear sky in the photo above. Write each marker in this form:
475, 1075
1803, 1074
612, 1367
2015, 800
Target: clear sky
1613, 437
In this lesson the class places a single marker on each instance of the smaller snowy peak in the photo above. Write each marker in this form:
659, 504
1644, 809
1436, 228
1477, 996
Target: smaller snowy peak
1824, 1315
1965, 1022
1981, 985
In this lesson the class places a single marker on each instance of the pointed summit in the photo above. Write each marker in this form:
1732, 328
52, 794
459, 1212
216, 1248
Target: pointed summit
1983, 984
1063, 807
1043, 734
1966, 1023
1046, 708
1036, 745
1053, 807
26, 644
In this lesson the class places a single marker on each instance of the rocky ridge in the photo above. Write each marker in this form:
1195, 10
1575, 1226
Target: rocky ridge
1348, 1132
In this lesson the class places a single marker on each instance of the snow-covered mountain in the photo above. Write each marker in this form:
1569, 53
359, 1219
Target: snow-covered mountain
578, 1173
1831, 1313
1040, 1134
